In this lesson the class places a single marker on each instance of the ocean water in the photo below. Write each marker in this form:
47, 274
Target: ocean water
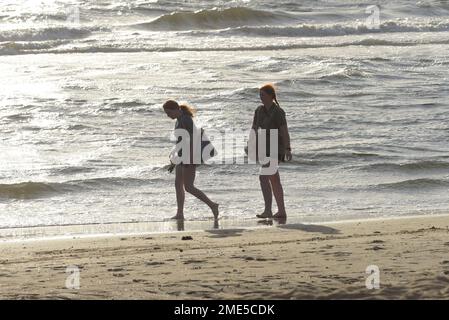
83, 138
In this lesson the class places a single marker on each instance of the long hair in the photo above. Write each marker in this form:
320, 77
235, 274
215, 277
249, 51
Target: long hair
173, 105
188, 109
269, 89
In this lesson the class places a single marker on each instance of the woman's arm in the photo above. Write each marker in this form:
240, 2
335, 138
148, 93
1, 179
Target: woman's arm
187, 124
285, 136
254, 125
251, 133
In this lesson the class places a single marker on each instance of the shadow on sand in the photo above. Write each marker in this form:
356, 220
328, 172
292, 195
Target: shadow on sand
310, 228
225, 233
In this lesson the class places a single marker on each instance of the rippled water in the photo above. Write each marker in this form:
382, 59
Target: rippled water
83, 138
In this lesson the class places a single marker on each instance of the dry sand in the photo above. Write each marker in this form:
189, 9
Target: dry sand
294, 261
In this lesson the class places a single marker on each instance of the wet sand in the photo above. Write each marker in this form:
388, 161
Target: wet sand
292, 261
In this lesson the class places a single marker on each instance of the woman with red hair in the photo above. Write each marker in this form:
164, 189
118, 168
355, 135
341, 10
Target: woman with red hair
270, 116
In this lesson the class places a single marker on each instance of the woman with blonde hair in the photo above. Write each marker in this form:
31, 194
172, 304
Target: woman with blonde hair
185, 172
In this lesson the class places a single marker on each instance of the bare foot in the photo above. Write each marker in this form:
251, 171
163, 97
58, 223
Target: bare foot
215, 210
178, 217
280, 215
265, 215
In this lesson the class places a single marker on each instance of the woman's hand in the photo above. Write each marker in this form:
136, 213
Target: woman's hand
288, 155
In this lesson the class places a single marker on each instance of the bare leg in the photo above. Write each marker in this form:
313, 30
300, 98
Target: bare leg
189, 172
180, 193
267, 196
278, 192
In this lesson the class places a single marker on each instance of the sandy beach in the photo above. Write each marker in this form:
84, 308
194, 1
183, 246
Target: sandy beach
355, 91
292, 261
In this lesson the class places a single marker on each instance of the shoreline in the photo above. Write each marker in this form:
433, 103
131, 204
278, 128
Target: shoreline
291, 261
119, 229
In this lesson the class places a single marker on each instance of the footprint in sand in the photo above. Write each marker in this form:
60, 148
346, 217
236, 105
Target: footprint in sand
139, 280
342, 254
115, 269
376, 248
193, 261
154, 263
119, 275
